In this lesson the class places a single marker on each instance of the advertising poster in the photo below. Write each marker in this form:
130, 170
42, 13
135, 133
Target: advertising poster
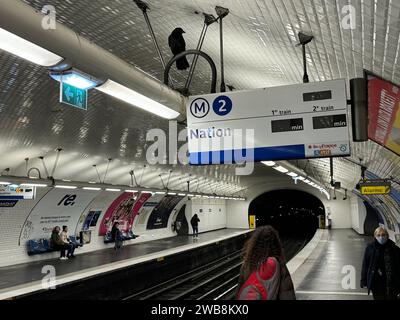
160, 215
91, 220
124, 210
57, 208
147, 208
384, 113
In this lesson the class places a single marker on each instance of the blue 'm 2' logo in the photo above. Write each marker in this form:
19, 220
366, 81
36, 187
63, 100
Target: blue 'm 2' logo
222, 105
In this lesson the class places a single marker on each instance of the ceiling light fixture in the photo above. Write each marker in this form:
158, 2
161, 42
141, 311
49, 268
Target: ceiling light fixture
292, 174
136, 99
113, 190
281, 169
38, 185
269, 163
91, 189
66, 187
76, 79
27, 50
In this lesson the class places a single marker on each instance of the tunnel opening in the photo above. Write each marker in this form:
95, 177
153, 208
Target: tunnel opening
294, 214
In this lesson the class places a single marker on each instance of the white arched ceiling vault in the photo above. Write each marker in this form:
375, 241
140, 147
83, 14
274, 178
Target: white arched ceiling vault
260, 51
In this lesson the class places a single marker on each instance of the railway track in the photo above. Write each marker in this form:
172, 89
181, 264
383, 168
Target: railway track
214, 281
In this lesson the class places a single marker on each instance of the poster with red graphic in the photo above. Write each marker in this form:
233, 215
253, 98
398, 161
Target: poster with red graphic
384, 113
124, 210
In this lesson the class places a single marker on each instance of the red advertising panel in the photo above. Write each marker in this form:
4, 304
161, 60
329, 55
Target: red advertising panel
384, 113
124, 210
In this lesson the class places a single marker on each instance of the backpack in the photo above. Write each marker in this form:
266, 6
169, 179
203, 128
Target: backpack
262, 284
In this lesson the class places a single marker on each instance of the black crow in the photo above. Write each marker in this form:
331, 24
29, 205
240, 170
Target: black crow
178, 45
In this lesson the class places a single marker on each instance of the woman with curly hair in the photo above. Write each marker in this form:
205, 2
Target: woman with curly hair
264, 275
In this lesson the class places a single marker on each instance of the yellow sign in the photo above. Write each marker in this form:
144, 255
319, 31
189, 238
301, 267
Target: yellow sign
252, 220
375, 190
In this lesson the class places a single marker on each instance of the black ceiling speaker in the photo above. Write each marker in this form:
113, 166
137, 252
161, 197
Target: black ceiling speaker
359, 109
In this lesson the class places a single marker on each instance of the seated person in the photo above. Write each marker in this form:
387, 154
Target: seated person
67, 241
57, 243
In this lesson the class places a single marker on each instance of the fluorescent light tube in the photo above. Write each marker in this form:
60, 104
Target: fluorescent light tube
34, 185
131, 191
27, 50
301, 178
269, 163
113, 190
136, 99
92, 189
182, 195
66, 187
5, 183
292, 174
281, 169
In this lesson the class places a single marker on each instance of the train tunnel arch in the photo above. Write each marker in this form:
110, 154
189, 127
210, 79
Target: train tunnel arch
293, 213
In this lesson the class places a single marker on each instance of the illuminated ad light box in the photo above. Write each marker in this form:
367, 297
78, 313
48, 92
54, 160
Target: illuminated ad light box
279, 123
384, 112
13, 192
375, 188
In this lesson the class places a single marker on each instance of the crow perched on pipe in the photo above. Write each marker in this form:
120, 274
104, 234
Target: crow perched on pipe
178, 45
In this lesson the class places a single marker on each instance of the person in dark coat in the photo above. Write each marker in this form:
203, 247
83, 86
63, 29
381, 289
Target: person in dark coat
116, 236
195, 225
381, 267
177, 44
264, 275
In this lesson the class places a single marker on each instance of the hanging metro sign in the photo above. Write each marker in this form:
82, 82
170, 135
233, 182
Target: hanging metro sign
279, 123
370, 188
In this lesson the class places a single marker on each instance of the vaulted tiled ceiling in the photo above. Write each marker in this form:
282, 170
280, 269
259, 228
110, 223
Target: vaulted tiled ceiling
260, 39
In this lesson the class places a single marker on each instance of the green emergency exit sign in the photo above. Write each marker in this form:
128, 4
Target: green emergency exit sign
73, 96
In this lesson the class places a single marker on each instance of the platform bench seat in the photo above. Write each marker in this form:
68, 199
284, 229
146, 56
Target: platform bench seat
43, 246
39, 246
125, 237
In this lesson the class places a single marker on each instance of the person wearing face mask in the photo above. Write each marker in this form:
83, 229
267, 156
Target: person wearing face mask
381, 267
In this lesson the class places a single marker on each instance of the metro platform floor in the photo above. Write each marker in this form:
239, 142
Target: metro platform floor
27, 278
321, 275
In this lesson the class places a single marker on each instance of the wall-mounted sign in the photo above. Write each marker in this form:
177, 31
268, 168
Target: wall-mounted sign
278, 123
73, 96
384, 112
375, 188
16, 192
252, 222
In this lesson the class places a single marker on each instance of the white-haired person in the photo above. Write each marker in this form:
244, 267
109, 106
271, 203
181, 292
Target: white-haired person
381, 267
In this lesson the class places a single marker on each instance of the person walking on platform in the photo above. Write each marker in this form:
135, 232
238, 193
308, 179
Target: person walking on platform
381, 267
264, 275
57, 243
116, 236
66, 240
195, 225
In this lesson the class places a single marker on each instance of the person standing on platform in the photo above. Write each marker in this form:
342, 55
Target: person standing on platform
264, 275
381, 267
195, 225
116, 236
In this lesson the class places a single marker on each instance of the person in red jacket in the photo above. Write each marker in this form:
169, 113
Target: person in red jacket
264, 275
